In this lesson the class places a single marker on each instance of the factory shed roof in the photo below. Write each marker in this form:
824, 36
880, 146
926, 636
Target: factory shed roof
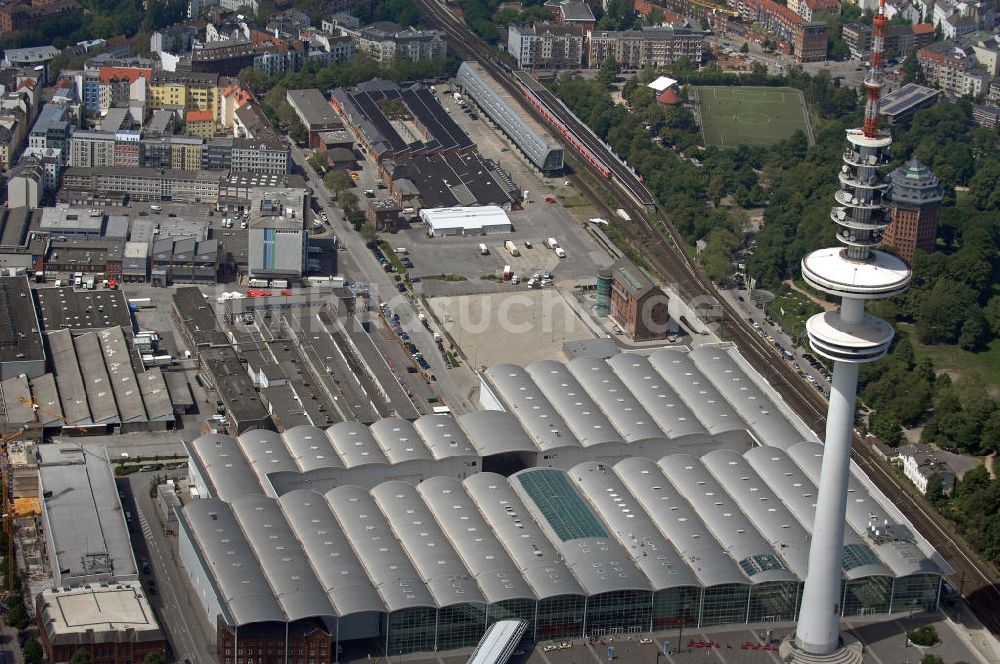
433, 555
378, 549
724, 518
399, 440
495, 432
223, 467
598, 562
266, 453
616, 401
83, 309
310, 448
587, 422
656, 395
117, 358
155, 395
481, 551
100, 394
20, 334
768, 422
896, 542
355, 444
532, 552
68, 377
227, 556
678, 522
629, 523
338, 569
528, 402
797, 496
282, 560
704, 400
443, 437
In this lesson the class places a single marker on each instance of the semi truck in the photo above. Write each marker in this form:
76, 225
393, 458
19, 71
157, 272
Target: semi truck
512, 248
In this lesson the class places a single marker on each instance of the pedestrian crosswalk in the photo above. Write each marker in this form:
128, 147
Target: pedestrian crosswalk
147, 532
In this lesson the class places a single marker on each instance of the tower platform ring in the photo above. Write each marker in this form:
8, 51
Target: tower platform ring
864, 341
831, 271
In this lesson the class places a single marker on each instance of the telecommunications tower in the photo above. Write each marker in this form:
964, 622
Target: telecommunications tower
855, 272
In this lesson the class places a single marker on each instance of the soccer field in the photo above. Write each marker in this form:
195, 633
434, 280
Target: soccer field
731, 116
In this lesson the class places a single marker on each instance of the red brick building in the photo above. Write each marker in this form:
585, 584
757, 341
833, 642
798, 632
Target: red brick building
28, 14
304, 642
808, 39
915, 194
637, 304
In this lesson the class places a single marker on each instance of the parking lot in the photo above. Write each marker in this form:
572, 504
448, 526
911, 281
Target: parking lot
534, 324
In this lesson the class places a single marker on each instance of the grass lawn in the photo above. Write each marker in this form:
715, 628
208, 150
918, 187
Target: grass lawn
791, 310
954, 360
732, 116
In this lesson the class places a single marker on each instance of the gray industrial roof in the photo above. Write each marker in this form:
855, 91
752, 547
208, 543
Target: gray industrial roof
380, 551
155, 395
338, 569
265, 452
618, 403
526, 400
495, 432
355, 444
443, 437
68, 378
310, 448
432, 554
900, 552
117, 351
97, 385
20, 335
660, 400
281, 557
796, 494
725, 520
770, 425
399, 440
587, 422
697, 391
678, 522
651, 552
480, 549
224, 467
226, 555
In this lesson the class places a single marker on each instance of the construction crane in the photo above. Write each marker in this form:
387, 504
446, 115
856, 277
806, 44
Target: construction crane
38, 408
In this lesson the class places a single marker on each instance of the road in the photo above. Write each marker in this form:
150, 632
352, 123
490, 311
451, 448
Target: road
661, 245
173, 600
381, 287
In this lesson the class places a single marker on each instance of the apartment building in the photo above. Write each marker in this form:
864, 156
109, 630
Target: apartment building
900, 40
808, 38
953, 68
89, 149
267, 155
145, 184
385, 41
51, 129
652, 45
812, 10
546, 45
25, 14
192, 91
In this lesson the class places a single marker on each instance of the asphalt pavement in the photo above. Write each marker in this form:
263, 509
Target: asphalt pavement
361, 266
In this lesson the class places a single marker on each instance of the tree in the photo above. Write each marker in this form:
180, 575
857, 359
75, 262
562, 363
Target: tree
931, 659
32, 651
886, 426
985, 186
348, 200
924, 635
369, 233
81, 656
745, 48
943, 311
154, 657
338, 181
973, 331
935, 490
609, 72
912, 71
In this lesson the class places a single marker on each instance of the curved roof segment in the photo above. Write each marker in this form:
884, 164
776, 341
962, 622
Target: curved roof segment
266, 453
227, 557
443, 437
902, 554
310, 448
531, 551
480, 549
528, 403
797, 494
355, 444
678, 523
378, 549
618, 404
599, 563
587, 422
433, 556
667, 409
632, 527
495, 432
763, 415
341, 575
704, 400
724, 518
281, 558
763, 508
224, 467
399, 440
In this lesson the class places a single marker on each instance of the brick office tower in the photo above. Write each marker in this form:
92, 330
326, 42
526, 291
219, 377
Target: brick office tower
915, 194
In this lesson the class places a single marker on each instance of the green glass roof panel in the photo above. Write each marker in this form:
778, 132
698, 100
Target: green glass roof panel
564, 509
856, 555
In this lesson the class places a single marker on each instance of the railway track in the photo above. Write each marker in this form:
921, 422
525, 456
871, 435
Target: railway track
661, 246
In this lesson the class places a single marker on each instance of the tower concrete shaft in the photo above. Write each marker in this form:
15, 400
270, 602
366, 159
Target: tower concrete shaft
855, 272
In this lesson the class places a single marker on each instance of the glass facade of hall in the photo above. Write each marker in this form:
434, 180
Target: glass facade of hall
638, 611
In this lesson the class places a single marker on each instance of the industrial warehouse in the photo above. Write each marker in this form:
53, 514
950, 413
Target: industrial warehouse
605, 496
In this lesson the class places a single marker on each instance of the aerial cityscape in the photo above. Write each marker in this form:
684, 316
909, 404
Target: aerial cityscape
489, 331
